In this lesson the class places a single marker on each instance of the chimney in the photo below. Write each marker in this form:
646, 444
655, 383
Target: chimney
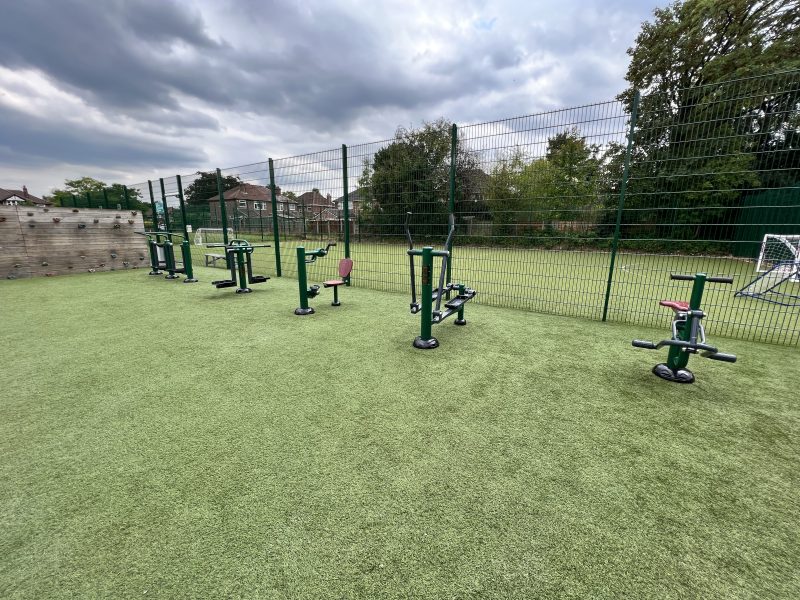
25, 192
329, 198
277, 190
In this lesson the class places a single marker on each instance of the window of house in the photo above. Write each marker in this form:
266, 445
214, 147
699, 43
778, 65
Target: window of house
257, 206
242, 202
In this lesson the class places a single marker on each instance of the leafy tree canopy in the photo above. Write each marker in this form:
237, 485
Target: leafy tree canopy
205, 187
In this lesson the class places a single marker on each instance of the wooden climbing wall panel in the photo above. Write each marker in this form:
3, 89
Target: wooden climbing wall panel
38, 241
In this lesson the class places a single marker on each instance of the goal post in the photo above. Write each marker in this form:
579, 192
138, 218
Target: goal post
779, 253
204, 235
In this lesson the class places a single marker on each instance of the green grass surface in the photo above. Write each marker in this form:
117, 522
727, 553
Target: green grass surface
167, 440
573, 283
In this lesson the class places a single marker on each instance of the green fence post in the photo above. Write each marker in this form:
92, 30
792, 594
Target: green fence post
88, 200
127, 198
275, 229
303, 211
186, 248
74, 201
153, 205
621, 205
452, 194
105, 198
223, 211
346, 200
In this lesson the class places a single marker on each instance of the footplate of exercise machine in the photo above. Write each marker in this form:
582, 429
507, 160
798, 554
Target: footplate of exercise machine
223, 283
677, 376
258, 278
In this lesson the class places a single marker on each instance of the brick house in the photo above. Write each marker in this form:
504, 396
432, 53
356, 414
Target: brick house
251, 201
17, 197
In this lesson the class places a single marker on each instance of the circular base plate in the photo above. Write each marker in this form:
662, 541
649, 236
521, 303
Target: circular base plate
425, 344
680, 376
336, 303
243, 290
304, 311
460, 322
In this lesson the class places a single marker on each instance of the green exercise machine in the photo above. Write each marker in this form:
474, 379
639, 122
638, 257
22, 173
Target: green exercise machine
162, 255
432, 298
688, 335
239, 259
309, 257
161, 241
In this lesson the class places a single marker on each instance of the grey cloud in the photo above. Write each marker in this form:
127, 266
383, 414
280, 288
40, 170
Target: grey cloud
26, 140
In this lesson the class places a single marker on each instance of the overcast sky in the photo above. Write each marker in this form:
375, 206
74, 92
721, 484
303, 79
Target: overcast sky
126, 90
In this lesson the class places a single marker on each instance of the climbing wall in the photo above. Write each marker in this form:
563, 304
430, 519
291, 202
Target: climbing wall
38, 241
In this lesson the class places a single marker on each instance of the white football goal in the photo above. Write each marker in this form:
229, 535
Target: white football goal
206, 235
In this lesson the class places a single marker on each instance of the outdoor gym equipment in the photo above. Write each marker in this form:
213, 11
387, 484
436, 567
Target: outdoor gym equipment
239, 258
162, 255
688, 335
432, 298
310, 257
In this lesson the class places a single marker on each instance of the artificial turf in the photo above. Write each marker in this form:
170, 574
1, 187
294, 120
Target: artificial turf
159, 439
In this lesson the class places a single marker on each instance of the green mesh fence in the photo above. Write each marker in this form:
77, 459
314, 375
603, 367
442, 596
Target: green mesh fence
548, 219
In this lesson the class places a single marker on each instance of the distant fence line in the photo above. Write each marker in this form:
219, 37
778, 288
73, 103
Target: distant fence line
624, 186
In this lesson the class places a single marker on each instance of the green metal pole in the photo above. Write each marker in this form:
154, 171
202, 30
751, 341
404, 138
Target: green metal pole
303, 211
105, 198
127, 198
302, 283
88, 200
346, 200
426, 314
153, 205
223, 211
74, 201
452, 195
186, 248
276, 234
677, 358
242, 273
167, 226
621, 205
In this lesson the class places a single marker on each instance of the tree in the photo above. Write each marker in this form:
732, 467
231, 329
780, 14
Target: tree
205, 187
708, 125
412, 174
114, 194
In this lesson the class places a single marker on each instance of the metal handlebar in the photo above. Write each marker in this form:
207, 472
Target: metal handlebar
708, 279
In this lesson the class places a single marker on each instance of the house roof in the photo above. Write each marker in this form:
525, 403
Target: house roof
245, 191
354, 196
22, 194
313, 198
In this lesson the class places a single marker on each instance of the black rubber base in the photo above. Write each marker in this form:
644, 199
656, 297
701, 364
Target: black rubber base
172, 277
155, 273
243, 290
304, 311
680, 376
187, 280
336, 303
425, 344
460, 322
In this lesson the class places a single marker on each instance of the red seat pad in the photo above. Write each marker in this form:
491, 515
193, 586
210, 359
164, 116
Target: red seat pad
675, 305
333, 283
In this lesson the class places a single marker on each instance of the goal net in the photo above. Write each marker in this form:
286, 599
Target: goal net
207, 235
780, 254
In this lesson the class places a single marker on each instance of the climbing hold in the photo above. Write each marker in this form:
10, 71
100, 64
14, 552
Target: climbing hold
118, 217
44, 263
10, 276
83, 256
17, 266
141, 258
133, 213
50, 274
75, 210
81, 225
117, 225
125, 263
92, 270
46, 210
97, 220
30, 214
2, 219
130, 221
31, 224
102, 264
69, 266
56, 219
113, 255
